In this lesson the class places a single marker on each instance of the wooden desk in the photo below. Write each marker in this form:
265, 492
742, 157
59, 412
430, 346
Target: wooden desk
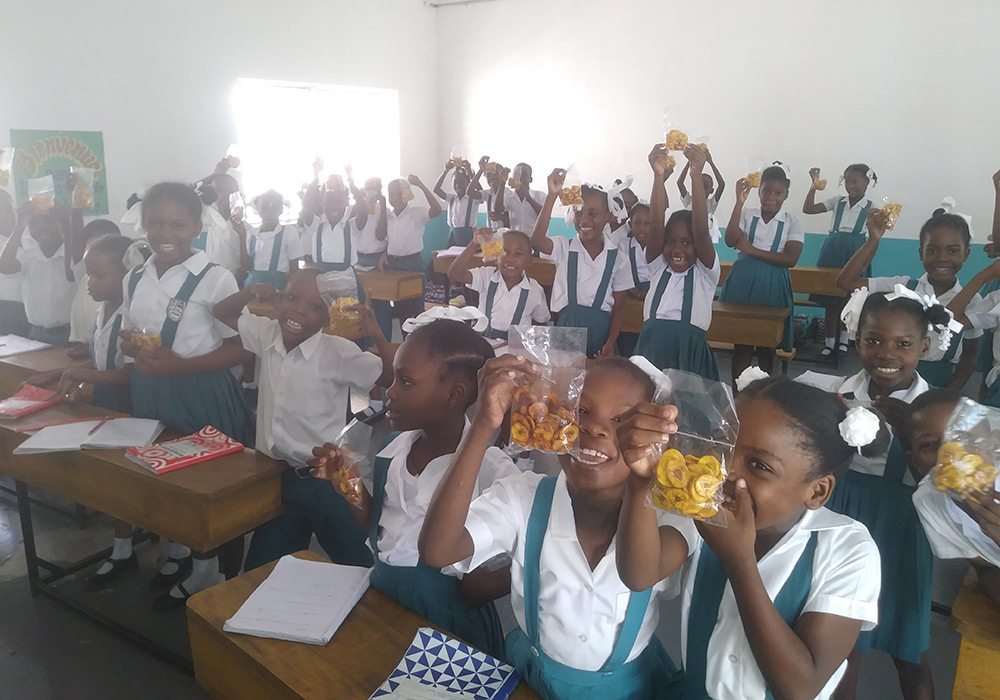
361, 655
19, 368
805, 279
977, 619
392, 285
543, 271
738, 324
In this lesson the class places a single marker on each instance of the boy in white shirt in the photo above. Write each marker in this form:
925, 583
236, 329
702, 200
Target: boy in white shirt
306, 377
521, 203
370, 248
463, 205
712, 194
494, 183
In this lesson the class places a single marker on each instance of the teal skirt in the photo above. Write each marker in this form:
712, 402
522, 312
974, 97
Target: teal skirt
985, 363
597, 323
837, 249
189, 402
677, 345
431, 594
904, 605
275, 279
938, 373
648, 676
753, 281
112, 397
992, 397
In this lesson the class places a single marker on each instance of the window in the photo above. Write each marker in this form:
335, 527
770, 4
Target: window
282, 128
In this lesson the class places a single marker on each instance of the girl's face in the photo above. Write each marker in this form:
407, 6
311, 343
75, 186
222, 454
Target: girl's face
855, 183
639, 223
678, 246
170, 229
772, 195
592, 217
104, 276
420, 396
943, 252
927, 428
335, 204
890, 343
777, 469
597, 465
269, 207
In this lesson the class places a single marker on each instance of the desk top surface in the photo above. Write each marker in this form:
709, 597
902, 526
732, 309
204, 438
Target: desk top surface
974, 614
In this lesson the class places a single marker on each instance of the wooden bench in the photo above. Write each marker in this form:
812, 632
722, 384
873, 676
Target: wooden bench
737, 324
392, 285
805, 279
977, 619
361, 655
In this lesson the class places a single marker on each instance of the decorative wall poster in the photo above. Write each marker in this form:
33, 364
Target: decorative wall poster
38, 153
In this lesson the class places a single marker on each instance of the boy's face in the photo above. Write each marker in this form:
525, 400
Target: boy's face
515, 259
104, 277
926, 432
639, 223
373, 188
943, 253
493, 180
300, 310
395, 197
460, 182
772, 195
47, 232
270, 206
335, 204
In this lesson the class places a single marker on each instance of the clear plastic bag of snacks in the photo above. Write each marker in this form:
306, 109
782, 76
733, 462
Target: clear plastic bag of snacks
818, 184
692, 467
339, 290
42, 192
674, 138
889, 213
83, 189
147, 339
545, 412
353, 441
755, 168
456, 156
571, 193
6, 163
491, 242
969, 452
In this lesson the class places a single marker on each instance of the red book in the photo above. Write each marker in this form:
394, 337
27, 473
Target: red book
208, 443
28, 399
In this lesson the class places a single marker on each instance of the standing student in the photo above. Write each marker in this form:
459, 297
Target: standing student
186, 381
581, 633
684, 273
591, 277
772, 603
847, 235
370, 248
306, 378
47, 294
218, 238
713, 194
272, 249
633, 247
463, 205
983, 313
494, 183
12, 318
988, 341
507, 296
434, 384
944, 248
520, 203
769, 242
621, 227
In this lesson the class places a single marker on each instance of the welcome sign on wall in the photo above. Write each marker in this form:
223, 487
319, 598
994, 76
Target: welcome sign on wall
38, 153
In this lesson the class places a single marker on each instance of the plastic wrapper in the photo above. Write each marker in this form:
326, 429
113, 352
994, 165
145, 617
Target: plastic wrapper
353, 442
340, 291
147, 339
676, 140
545, 412
83, 190
889, 212
42, 192
6, 163
755, 168
571, 193
236, 206
456, 156
491, 243
819, 185
753, 179
969, 452
671, 162
491, 167
692, 468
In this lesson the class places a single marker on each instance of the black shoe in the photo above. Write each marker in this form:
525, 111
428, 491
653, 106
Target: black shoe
96, 581
161, 581
166, 601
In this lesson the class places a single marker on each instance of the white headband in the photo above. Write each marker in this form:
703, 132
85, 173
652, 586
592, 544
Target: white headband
750, 375
466, 314
851, 315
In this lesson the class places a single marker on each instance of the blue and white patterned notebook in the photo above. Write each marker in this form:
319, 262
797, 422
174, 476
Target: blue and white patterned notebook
438, 661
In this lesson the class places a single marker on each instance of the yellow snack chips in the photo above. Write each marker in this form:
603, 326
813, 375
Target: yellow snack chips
542, 422
965, 473
569, 196
819, 185
676, 140
343, 321
891, 213
349, 484
492, 249
688, 484
43, 202
671, 162
514, 182
753, 179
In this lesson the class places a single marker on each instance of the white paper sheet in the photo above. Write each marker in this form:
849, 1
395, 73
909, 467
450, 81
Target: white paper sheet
18, 345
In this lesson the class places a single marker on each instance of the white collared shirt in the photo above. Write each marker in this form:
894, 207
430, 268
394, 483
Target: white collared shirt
505, 302
489, 198
260, 247
304, 392
951, 532
47, 294
102, 339
764, 234
198, 332
846, 578
712, 204
368, 242
851, 214
984, 314
333, 240
580, 611
705, 282
84, 309
10, 285
222, 243
619, 236
405, 232
630, 246
462, 211
520, 212
407, 497
589, 273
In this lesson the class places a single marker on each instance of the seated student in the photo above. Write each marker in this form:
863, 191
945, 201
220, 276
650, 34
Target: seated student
713, 194
463, 205
773, 602
494, 183
507, 296
272, 249
955, 529
581, 633
47, 294
306, 378
520, 203
434, 384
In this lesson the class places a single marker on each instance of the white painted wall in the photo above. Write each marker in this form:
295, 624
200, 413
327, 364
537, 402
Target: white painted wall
910, 88
156, 78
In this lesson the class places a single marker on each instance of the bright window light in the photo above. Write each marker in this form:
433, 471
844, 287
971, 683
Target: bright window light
283, 127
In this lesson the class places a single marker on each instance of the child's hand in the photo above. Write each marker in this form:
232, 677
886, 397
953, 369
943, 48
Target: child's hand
504, 172
643, 426
366, 319
814, 174
159, 362
696, 157
556, 180
348, 170
876, 224
735, 542
608, 350
481, 236
483, 162
991, 250
414, 180
448, 165
130, 348
264, 293
658, 159
382, 262
742, 244
895, 411
326, 461
742, 190
496, 388
986, 512
317, 166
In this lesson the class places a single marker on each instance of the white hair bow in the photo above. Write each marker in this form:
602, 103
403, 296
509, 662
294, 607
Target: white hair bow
859, 428
944, 332
133, 219
851, 313
787, 169
467, 314
133, 256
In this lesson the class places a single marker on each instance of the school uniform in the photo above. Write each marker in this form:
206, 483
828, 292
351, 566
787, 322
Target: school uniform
179, 308
847, 235
676, 315
405, 237
983, 313
938, 366
370, 248
399, 505
521, 305
620, 235
583, 290
489, 198
877, 492
333, 247
581, 633
48, 295
712, 204
636, 256
271, 253
462, 214
218, 239
951, 532
303, 402
520, 212
12, 318
106, 354
84, 308
826, 563
753, 281
986, 353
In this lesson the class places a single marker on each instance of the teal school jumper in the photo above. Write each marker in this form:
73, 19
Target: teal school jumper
838, 248
575, 315
271, 275
491, 293
111, 396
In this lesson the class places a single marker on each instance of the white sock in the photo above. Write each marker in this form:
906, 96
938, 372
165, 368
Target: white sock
204, 574
376, 405
830, 342
845, 338
175, 551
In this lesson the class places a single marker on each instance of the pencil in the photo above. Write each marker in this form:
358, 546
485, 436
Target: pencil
99, 425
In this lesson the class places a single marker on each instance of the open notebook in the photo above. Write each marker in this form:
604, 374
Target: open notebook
115, 433
301, 601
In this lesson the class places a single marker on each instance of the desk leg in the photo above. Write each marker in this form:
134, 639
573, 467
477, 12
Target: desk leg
232, 557
28, 532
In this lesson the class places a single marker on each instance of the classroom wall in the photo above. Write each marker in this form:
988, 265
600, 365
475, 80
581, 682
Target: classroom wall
908, 88
156, 78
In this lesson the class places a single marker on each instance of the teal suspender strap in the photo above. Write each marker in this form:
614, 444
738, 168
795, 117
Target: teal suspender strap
633, 263
688, 301
347, 243
276, 248
537, 523
252, 253
112, 355
468, 211
522, 302
380, 472
661, 287
911, 284
571, 275
133, 281
753, 228
489, 208
319, 244
859, 223
602, 290
491, 293
175, 309
895, 462
841, 205
634, 614
776, 243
